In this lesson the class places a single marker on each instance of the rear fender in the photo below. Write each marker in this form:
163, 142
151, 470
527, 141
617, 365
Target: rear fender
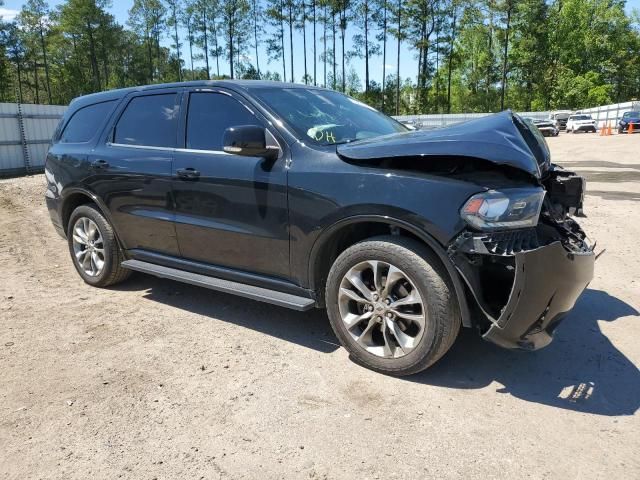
70, 192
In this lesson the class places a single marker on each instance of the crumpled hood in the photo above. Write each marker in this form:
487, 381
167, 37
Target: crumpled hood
495, 138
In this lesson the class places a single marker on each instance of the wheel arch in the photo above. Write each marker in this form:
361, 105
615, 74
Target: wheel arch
75, 197
348, 231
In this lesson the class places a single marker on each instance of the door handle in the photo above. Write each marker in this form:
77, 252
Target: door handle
100, 164
188, 173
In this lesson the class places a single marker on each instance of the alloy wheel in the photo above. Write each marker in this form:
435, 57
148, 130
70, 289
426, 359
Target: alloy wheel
382, 309
88, 246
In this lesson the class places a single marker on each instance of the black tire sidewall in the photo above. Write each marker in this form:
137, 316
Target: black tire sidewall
421, 273
108, 239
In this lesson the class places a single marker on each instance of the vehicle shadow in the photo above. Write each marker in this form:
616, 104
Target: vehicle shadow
309, 329
580, 370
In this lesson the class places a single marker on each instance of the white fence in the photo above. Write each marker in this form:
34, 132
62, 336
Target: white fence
444, 119
609, 114
606, 114
25, 131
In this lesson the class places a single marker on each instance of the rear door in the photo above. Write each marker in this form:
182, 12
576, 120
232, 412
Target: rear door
132, 170
231, 210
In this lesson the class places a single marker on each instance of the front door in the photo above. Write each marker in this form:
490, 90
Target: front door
231, 210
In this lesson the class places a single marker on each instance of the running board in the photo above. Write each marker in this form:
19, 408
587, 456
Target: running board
248, 291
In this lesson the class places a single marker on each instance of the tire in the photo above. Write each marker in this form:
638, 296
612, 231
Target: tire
364, 339
621, 130
87, 231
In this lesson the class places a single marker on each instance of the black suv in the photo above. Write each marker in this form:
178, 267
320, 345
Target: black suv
304, 197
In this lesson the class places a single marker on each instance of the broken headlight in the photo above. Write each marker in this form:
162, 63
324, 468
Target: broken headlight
501, 209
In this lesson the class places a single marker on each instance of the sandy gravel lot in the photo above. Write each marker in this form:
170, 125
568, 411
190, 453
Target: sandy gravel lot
155, 379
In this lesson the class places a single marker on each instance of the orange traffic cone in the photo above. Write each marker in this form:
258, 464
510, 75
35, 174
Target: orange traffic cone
609, 130
630, 128
603, 130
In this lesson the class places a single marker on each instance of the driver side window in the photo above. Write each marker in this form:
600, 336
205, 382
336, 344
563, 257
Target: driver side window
209, 115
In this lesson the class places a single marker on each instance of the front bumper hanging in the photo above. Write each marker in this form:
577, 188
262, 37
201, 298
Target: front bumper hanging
523, 288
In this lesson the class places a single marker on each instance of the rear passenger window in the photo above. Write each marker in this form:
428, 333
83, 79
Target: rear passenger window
84, 124
210, 114
149, 121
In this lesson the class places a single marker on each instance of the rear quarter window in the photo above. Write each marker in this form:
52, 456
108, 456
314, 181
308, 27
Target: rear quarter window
85, 122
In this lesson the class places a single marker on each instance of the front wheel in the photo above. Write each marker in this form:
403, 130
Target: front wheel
390, 305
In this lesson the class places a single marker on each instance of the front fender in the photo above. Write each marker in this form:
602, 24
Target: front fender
329, 233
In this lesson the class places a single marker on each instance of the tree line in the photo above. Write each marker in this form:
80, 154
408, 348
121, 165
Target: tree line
467, 55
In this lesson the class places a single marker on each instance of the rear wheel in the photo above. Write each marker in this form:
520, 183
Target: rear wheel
94, 249
390, 305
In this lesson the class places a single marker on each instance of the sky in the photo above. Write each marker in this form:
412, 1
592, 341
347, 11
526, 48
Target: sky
408, 61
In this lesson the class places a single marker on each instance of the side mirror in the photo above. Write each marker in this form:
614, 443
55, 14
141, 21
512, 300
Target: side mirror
248, 140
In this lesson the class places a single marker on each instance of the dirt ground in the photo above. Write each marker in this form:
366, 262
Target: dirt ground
155, 379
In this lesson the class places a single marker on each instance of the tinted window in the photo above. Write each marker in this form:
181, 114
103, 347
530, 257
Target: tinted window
85, 122
150, 120
210, 114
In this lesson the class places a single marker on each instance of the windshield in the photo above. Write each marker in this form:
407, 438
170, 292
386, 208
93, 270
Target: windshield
581, 117
327, 117
631, 115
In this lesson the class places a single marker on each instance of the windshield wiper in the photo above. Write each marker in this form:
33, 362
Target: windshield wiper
348, 140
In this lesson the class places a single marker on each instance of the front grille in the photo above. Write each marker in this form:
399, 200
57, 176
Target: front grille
508, 243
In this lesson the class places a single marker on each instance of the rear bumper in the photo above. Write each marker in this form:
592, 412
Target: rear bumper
584, 128
53, 203
548, 131
524, 290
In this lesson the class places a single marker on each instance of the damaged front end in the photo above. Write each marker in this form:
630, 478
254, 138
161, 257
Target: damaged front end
525, 280
523, 257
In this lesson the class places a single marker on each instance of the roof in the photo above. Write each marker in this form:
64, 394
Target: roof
235, 84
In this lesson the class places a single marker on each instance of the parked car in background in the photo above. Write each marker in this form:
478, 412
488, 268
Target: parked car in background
581, 123
559, 118
303, 197
628, 119
546, 127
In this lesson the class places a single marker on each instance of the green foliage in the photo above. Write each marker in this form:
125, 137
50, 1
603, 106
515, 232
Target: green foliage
465, 55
